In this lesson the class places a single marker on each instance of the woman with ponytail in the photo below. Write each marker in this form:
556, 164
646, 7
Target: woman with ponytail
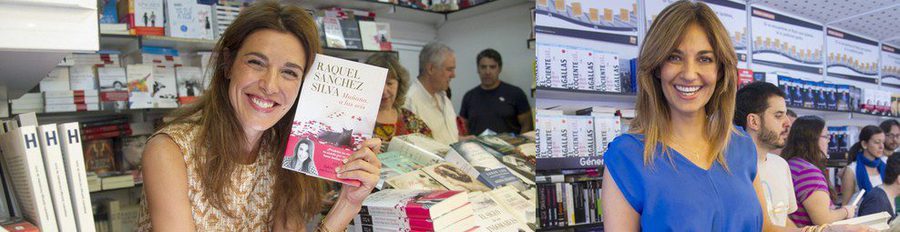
868, 163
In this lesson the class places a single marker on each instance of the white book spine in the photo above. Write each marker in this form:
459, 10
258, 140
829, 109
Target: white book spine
73, 158
29, 177
56, 175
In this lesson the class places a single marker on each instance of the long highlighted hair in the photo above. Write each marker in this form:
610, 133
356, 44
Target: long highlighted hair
653, 116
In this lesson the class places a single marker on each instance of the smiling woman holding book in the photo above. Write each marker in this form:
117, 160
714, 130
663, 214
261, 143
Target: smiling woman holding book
217, 165
683, 166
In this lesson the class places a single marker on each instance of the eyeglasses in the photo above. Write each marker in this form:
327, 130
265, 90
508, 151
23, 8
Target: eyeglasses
892, 136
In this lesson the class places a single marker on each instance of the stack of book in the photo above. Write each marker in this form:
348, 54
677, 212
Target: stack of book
113, 88
158, 56
105, 129
117, 181
225, 13
71, 101
29, 102
104, 58
416, 210
493, 216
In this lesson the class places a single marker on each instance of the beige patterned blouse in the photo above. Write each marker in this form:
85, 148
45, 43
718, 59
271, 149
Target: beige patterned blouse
249, 197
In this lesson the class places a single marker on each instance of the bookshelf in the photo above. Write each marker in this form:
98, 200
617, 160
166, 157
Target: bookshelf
126, 43
405, 13
577, 227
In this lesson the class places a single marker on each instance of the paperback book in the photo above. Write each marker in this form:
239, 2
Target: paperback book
340, 100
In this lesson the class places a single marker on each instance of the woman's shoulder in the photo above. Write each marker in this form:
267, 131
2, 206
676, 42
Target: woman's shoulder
625, 148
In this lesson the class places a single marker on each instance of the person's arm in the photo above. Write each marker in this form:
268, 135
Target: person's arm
526, 122
818, 206
848, 187
619, 215
166, 185
767, 222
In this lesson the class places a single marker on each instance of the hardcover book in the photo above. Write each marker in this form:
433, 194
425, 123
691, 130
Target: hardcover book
56, 175
164, 92
415, 180
98, 156
76, 176
140, 86
454, 178
189, 81
144, 17
340, 100
113, 88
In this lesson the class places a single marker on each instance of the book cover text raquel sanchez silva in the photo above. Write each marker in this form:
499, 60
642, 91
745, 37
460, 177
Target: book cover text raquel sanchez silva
336, 111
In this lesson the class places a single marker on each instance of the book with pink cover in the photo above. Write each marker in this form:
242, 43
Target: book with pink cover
336, 112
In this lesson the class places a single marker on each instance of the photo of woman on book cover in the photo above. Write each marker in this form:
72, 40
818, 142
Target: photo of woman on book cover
231, 142
302, 160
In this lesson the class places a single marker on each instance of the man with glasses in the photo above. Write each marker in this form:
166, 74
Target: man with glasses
891, 130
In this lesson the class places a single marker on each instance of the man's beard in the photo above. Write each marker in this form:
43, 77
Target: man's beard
770, 138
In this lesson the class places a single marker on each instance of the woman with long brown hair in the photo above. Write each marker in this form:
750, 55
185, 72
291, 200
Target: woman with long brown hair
683, 166
682, 155
217, 165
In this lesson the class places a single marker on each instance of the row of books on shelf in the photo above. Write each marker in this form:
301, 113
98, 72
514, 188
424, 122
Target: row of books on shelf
340, 28
114, 215
161, 81
838, 97
569, 203
568, 68
442, 210
581, 138
43, 174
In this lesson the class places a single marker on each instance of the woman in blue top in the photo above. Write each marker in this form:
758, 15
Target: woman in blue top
700, 172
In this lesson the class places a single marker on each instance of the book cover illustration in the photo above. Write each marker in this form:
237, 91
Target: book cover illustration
189, 81
337, 107
113, 88
455, 178
415, 180
164, 90
98, 156
140, 83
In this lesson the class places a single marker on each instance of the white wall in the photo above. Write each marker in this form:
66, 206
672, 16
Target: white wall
506, 31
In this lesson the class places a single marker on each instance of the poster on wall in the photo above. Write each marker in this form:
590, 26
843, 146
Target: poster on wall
733, 16
851, 57
609, 21
585, 45
890, 66
784, 42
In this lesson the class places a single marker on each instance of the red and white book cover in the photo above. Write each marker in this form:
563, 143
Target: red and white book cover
336, 112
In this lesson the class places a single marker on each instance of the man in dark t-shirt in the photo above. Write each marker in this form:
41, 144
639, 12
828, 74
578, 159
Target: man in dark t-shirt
494, 104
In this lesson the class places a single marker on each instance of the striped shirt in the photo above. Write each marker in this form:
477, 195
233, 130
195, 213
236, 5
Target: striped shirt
807, 179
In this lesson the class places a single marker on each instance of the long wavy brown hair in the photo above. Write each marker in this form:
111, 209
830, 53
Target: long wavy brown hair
295, 196
653, 116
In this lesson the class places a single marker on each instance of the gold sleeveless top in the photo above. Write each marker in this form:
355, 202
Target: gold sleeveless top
249, 197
